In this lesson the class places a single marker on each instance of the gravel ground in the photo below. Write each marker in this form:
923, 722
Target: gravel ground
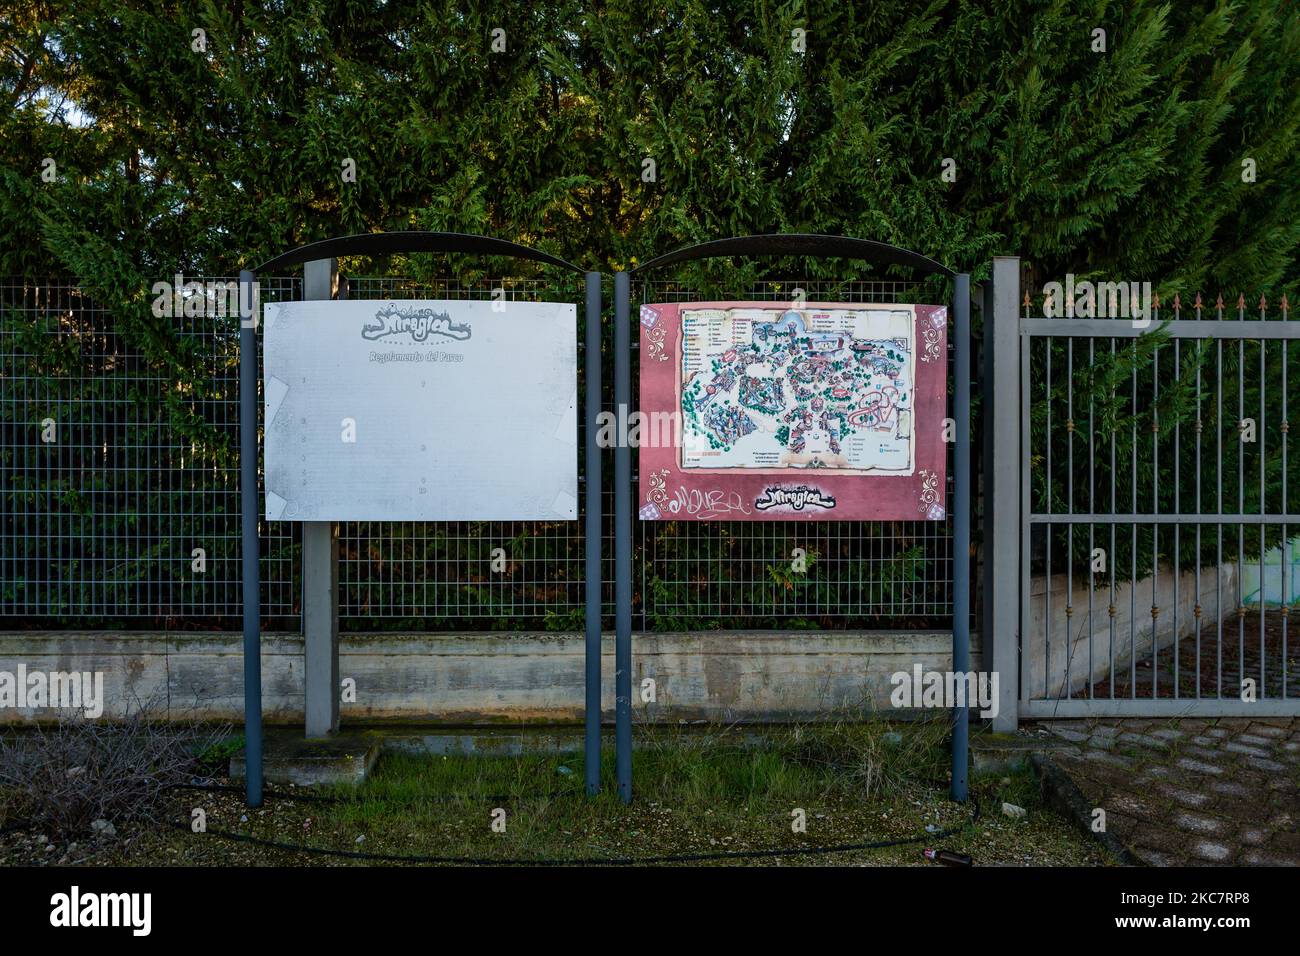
566, 827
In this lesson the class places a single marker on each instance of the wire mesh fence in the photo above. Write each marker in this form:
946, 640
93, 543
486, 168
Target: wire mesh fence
126, 514
439, 575
119, 492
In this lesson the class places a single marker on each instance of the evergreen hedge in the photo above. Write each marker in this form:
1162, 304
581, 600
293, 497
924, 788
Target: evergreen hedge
1128, 163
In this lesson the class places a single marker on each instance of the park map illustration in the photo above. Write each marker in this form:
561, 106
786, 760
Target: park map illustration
766, 390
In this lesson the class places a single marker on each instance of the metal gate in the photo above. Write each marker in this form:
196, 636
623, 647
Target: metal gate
1156, 512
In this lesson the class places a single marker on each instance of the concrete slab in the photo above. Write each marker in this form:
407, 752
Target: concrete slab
288, 758
998, 753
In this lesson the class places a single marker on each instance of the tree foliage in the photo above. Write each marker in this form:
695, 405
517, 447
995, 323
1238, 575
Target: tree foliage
204, 137
1126, 162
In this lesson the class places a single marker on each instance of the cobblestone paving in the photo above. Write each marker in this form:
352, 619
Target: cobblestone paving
1187, 791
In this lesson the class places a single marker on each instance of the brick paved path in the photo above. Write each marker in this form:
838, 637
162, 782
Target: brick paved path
1191, 791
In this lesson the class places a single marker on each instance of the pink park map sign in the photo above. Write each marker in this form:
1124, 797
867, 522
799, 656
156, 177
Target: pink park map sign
824, 412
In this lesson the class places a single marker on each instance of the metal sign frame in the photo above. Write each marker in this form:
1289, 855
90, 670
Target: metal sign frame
812, 246
809, 245
382, 244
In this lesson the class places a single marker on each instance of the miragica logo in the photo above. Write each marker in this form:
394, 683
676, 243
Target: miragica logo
419, 324
796, 498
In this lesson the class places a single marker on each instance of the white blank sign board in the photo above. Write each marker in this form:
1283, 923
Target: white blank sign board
421, 410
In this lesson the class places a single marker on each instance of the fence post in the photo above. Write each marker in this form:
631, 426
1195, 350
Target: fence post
623, 539
320, 574
249, 498
1002, 524
961, 530
591, 406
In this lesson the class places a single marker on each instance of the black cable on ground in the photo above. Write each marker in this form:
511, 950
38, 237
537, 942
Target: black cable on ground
585, 861
490, 861
432, 798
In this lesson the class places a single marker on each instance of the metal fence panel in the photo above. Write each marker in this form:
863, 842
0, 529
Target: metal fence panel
439, 575
99, 528
1146, 502
121, 459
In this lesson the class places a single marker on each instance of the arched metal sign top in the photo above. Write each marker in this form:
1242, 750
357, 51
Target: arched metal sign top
800, 244
392, 243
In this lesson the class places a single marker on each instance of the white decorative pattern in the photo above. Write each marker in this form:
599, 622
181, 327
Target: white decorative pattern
654, 339
934, 511
658, 493
930, 336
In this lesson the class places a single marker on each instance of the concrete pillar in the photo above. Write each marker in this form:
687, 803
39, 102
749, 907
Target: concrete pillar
1002, 525
320, 574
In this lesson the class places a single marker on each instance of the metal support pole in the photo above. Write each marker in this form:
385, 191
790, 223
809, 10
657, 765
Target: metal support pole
248, 498
961, 532
592, 530
320, 574
623, 541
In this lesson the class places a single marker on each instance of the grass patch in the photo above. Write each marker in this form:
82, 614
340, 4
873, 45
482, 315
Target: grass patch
711, 792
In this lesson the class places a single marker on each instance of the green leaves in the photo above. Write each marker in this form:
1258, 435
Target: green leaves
1125, 161
1123, 165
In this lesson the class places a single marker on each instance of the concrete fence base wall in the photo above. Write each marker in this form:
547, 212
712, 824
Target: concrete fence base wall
487, 678
484, 678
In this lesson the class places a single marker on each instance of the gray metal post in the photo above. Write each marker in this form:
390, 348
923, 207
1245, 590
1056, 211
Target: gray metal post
248, 498
1001, 395
320, 575
623, 541
961, 531
592, 530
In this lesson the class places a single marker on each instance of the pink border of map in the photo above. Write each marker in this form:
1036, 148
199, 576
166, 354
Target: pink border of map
670, 493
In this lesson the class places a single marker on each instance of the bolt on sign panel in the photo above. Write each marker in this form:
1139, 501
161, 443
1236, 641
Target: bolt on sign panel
819, 411
421, 410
